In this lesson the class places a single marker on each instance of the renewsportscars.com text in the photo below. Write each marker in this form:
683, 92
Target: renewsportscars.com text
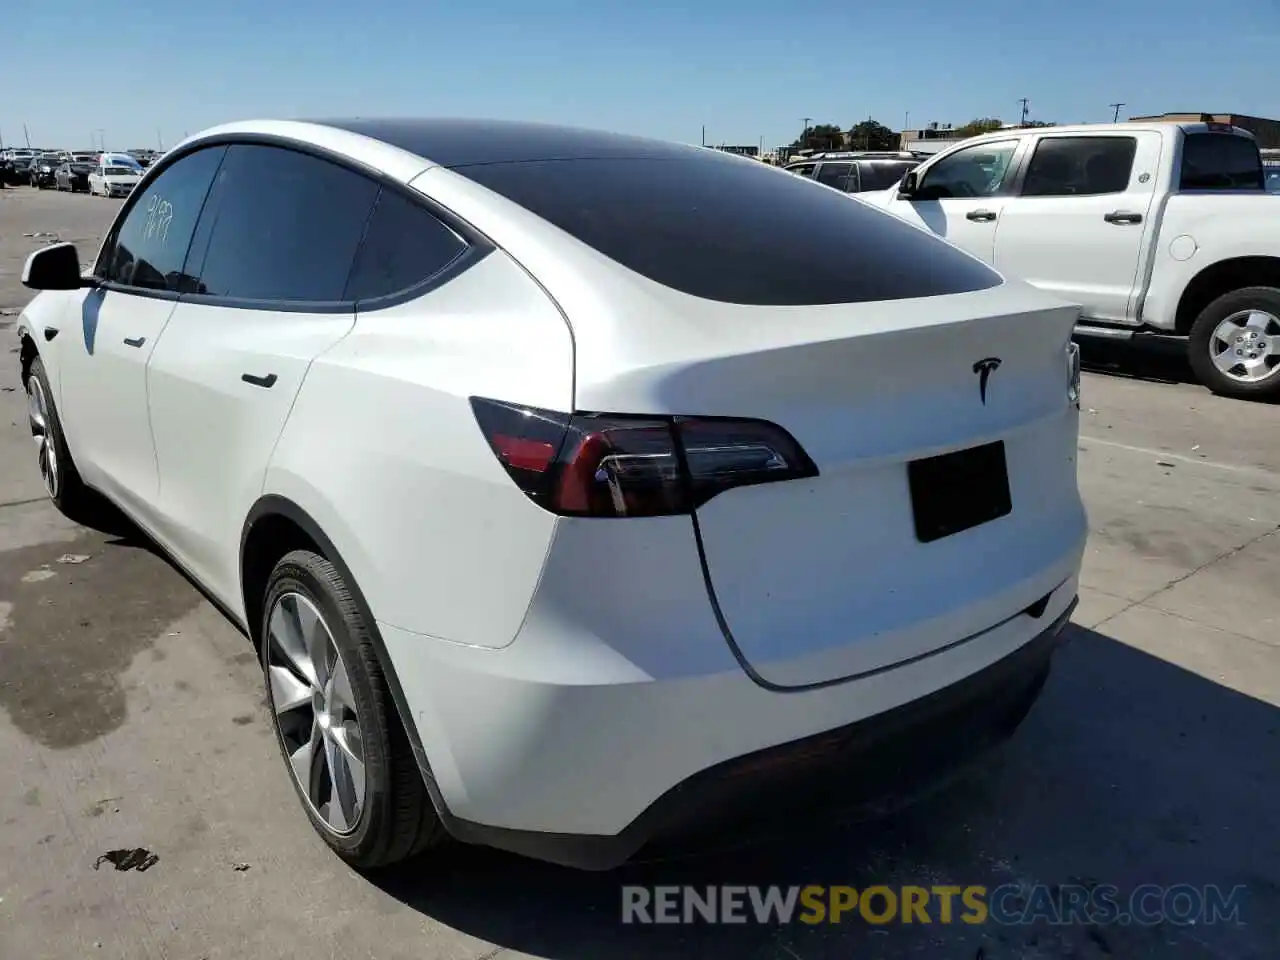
1009, 904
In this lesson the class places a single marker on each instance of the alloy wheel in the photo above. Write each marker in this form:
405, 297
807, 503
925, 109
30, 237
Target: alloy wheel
1245, 346
315, 712
42, 432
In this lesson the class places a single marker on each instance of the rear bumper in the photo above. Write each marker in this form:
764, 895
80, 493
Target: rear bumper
911, 749
561, 748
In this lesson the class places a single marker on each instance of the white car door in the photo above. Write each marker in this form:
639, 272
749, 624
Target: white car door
105, 351
961, 195
269, 264
1076, 223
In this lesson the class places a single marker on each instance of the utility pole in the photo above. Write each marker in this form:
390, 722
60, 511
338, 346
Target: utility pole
704, 134
1024, 102
906, 120
804, 139
26, 136
159, 141
1116, 117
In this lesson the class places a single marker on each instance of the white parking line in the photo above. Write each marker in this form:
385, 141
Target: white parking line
1085, 441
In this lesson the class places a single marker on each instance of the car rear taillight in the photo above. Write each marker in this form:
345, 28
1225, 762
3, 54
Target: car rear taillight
618, 465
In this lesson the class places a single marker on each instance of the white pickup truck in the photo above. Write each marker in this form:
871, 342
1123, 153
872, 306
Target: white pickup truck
1158, 230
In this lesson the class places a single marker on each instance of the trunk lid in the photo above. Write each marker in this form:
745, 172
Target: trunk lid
871, 563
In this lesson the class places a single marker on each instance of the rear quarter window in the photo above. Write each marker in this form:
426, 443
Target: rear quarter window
403, 247
735, 231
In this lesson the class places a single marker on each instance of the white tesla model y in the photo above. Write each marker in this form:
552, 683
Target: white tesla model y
575, 488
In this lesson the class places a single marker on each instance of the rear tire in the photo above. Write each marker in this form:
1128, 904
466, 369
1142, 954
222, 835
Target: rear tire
335, 721
57, 469
1241, 326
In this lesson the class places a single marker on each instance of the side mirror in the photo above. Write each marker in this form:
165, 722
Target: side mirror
56, 267
907, 188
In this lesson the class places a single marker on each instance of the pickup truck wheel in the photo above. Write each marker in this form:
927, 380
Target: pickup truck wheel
1235, 343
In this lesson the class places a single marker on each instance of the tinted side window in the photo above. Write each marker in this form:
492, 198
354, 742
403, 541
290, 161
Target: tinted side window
150, 245
976, 171
282, 226
881, 174
403, 246
1220, 161
803, 169
837, 175
735, 231
1080, 166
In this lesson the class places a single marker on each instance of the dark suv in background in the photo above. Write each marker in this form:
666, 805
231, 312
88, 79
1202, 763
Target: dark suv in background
856, 171
42, 171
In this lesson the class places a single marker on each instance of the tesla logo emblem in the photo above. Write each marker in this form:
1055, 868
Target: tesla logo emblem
984, 369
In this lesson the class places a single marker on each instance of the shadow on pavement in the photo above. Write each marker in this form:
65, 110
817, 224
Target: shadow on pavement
1129, 771
1153, 364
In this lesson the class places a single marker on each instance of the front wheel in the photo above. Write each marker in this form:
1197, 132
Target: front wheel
61, 479
338, 730
1235, 344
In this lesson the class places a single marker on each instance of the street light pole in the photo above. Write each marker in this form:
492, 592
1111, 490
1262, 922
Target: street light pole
804, 133
1024, 102
1116, 116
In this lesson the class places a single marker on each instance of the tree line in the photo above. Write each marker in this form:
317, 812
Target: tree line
873, 135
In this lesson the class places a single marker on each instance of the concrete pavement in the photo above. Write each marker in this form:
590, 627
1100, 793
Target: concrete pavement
131, 715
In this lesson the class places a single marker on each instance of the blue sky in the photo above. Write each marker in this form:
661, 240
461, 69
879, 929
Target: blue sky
747, 68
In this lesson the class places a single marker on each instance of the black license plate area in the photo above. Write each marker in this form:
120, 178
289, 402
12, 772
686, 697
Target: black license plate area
958, 491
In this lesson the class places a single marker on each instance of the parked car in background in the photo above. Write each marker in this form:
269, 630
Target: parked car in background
1158, 230
20, 171
73, 175
689, 494
114, 176
856, 171
1272, 174
40, 173
144, 158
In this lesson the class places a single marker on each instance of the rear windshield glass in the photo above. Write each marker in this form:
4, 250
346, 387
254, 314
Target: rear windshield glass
1220, 161
735, 231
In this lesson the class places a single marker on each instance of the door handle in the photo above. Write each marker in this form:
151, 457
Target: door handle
50, 332
134, 341
980, 216
268, 381
1120, 216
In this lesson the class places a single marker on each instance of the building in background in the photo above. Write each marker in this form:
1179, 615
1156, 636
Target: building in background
931, 139
1266, 132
